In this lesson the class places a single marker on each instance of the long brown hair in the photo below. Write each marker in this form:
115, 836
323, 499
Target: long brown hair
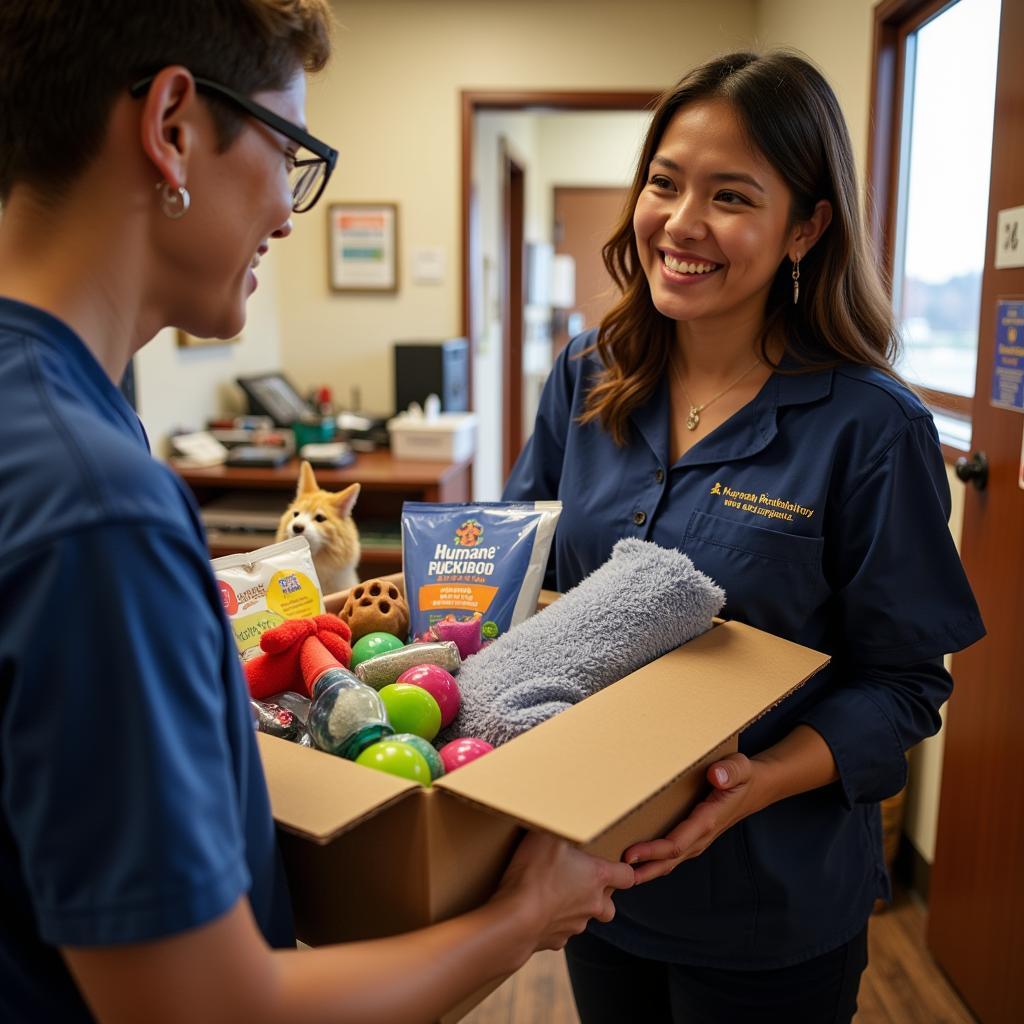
793, 118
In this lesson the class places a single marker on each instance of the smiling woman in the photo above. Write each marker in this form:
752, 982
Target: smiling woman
739, 403
710, 238
772, 167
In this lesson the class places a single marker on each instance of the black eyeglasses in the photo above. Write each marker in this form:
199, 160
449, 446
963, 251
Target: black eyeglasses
308, 175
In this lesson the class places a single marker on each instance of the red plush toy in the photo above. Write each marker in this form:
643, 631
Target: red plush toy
295, 653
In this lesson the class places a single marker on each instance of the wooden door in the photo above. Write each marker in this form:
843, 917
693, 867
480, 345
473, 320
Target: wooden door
976, 897
584, 221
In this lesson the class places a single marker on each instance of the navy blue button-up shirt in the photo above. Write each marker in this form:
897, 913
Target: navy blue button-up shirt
821, 508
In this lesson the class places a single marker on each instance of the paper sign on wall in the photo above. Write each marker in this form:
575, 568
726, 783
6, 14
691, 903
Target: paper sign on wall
1008, 371
1010, 238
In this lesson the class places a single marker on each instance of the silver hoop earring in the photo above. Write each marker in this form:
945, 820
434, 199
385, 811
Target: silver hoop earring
174, 202
796, 280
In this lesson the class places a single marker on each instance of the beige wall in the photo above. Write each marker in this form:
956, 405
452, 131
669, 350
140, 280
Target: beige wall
182, 387
922, 808
390, 102
837, 36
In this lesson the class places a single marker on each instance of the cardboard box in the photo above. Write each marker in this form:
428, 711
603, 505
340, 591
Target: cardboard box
451, 437
368, 854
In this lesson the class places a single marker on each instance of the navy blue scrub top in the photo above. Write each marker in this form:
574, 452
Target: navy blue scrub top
132, 799
821, 508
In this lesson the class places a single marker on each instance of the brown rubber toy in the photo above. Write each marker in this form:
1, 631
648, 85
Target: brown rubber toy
376, 606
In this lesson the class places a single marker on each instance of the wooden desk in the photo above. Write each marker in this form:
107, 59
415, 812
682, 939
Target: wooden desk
386, 483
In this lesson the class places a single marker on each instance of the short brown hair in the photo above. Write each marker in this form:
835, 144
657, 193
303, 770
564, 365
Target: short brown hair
63, 62
792, 117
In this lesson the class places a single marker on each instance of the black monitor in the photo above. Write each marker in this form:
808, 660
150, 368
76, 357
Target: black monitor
432, 367
271, 394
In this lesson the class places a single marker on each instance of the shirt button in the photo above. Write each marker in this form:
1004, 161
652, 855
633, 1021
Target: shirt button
639, 518
659, 475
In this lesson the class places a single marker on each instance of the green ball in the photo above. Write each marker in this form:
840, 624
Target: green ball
371, 645
411, 709
396, 759
428, 750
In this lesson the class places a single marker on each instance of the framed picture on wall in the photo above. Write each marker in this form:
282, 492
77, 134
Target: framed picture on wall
363, 247
186, 340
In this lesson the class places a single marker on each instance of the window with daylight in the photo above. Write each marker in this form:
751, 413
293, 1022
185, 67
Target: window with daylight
933, 110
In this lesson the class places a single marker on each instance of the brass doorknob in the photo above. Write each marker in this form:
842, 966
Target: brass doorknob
973, 470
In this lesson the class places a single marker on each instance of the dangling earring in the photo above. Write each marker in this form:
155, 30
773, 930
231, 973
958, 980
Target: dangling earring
174, 202
796, 280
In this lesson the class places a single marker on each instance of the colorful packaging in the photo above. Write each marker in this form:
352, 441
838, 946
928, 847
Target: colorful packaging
485, 559
261, 589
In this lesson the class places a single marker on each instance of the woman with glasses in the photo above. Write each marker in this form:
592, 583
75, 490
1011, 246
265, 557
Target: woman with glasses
149, 154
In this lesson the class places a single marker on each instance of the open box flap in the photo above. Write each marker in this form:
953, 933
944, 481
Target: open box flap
320, 796
621, 746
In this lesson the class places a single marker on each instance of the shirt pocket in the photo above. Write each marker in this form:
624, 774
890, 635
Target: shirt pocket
772, 580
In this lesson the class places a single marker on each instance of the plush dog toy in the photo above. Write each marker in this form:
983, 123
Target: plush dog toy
643, 602
295, 653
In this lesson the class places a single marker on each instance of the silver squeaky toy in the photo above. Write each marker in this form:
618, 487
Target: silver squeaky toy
384, 669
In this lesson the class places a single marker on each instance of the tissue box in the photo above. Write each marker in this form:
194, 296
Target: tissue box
449, 437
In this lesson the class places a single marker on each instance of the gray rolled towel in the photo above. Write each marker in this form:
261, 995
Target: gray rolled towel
643, 602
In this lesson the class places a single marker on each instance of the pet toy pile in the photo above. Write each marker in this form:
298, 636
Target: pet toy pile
350, 686
381, 702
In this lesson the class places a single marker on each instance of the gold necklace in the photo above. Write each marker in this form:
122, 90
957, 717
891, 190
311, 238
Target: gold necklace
693, 418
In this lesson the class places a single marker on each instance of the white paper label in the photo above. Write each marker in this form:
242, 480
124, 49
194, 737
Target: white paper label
1010, 238
428, 265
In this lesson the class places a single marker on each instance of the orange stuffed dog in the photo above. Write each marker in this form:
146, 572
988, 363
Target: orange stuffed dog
325, 520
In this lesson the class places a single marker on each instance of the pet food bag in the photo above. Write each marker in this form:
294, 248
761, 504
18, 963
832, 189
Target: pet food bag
261, 589
486, 559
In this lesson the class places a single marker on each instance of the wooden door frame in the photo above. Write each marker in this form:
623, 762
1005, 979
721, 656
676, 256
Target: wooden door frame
512, 173
474, 101
887, 108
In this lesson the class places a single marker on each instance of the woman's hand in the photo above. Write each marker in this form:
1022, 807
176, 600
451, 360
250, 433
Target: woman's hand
737, 790
560, 888
740, 786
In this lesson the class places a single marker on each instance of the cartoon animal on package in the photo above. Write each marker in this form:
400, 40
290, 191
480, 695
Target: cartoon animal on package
324, 518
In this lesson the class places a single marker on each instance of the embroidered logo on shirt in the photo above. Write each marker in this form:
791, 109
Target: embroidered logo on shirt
766, 505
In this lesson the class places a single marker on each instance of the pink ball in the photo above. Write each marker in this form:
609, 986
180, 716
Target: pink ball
459, 752
440, 684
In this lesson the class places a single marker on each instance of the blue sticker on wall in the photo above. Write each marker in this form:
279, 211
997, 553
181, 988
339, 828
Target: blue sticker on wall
1008, 371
